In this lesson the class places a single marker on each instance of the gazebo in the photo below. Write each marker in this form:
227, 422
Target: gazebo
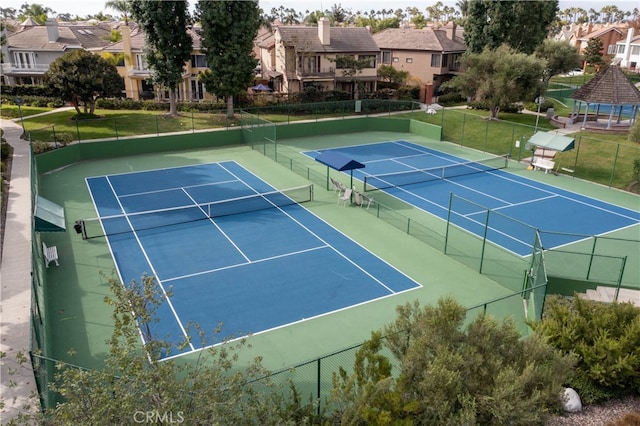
609, 95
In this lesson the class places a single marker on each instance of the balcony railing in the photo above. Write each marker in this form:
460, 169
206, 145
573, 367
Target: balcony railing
12, 69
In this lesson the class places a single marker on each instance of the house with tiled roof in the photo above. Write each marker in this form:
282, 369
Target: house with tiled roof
136, 73
431, 56
608, 34
30, 50
297, 57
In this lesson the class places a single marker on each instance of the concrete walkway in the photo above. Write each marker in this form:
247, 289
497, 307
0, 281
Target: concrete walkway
18, 389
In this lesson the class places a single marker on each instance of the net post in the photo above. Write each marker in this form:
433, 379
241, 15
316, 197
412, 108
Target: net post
83, 227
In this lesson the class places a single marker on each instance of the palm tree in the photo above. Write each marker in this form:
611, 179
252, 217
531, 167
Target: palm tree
122, 6
37, 12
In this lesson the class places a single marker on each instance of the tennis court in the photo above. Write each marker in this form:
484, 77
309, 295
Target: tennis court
482, 198
232, 250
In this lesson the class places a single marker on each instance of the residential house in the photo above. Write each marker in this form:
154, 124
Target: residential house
431, 56
628, 52
30, 50
608, 34
136, 73
298, 57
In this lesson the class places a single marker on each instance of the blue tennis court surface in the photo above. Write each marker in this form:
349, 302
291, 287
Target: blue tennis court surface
514, 201
251, 269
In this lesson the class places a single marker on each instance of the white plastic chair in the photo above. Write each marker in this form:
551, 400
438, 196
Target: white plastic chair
345, 197
366, 200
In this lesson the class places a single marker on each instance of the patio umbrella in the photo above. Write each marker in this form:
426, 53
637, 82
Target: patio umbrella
261, 88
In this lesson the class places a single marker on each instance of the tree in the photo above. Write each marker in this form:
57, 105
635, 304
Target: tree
82, 78
561, 57
136, 383
37, 12
168, 45
499, 77
521, 25
392, 75
351, 68
228, 31
449, 373
593, 53
122, 6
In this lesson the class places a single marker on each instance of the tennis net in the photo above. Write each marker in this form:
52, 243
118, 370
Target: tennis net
389, 180
153, 219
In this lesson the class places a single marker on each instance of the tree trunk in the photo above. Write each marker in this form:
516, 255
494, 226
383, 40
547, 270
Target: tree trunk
356, 94
173, 109
493, 113
76, 105
230, 106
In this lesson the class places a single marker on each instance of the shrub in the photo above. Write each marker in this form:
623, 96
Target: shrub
452, 98
451, 371
64, 138
606, 339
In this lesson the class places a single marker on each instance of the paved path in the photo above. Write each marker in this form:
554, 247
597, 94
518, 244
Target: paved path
15, 283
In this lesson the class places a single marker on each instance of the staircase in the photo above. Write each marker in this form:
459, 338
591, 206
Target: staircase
608, 294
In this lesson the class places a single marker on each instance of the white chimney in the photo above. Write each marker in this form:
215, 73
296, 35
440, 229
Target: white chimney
627, 48
323, 31
52, 30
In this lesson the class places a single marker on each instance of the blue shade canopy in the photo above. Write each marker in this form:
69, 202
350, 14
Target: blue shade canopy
261, 88
338, 161
49, 217
553, 141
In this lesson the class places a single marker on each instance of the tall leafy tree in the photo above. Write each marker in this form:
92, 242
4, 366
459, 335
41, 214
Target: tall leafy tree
522, 25
168, 45
593, 53
499, 77
82, 78
560, 56
228, 31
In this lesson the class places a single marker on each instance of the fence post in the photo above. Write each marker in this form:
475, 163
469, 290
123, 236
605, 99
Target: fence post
484, 241
486, 136
613, 169
318, 376
593, 251
464, 119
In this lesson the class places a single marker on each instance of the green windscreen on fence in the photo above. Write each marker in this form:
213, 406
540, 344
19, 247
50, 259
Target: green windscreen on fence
259, 134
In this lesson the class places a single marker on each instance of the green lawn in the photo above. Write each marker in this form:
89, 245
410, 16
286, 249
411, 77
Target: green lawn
602, 158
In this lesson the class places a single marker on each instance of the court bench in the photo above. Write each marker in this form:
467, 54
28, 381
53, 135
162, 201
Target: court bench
544, 164
50, 254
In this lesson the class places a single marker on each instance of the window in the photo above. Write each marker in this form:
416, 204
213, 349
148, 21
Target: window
611, 50
141, 64
435, 60
396, 59
24, 59
386, 57
621, 48
635, 50
371, 58
309, 64
198, 61
455, 62
409, 60
445, 61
